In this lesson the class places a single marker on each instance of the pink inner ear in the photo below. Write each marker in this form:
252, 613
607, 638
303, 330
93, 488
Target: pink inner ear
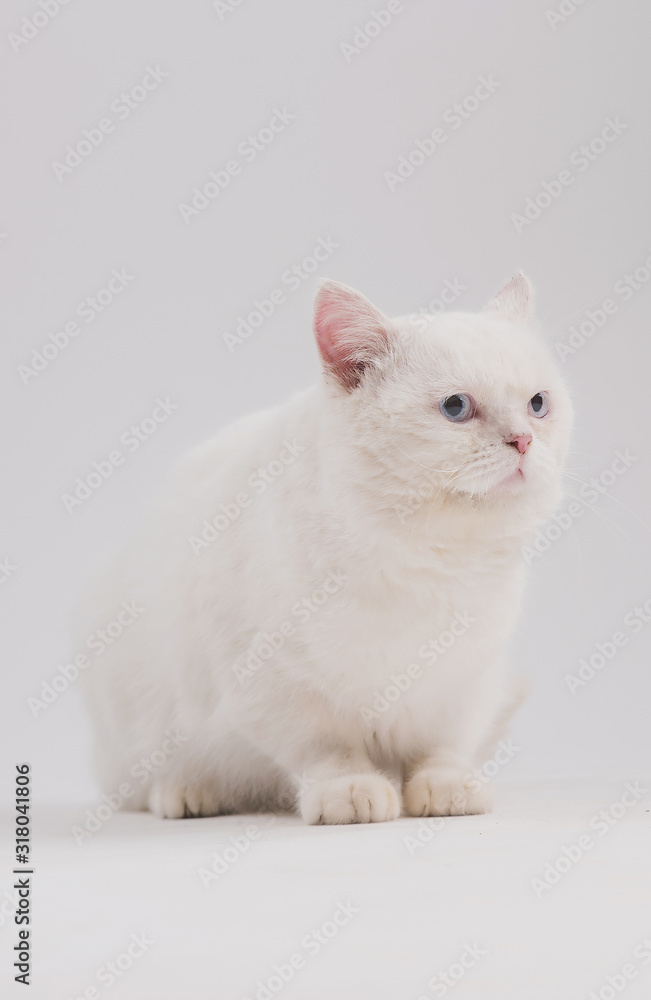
326, 315
349, 330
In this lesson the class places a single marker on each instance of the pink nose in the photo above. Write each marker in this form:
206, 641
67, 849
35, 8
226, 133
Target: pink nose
521, 442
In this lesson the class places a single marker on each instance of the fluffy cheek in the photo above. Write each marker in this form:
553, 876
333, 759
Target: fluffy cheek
464, 454
424, 448
550, 440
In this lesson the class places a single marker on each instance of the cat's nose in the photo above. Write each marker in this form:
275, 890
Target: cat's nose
521, 442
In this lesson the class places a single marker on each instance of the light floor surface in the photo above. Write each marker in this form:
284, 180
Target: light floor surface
547, 897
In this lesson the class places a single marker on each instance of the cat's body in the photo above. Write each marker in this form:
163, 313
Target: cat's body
326, 595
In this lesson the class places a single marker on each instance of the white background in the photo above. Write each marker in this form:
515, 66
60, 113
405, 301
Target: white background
493, 879
322, 177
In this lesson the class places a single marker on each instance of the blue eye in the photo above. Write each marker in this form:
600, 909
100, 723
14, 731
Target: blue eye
539, 404
459, 407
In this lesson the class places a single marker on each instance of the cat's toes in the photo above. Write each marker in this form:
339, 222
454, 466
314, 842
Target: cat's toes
201, 800
172, 800
438, 791
355, 798
167, 800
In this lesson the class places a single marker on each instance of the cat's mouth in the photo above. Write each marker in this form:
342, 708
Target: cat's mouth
510, 482
512, 478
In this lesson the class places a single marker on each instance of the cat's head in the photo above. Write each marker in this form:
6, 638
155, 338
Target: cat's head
466, 410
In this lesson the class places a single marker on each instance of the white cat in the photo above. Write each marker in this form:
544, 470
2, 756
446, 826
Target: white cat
325, 598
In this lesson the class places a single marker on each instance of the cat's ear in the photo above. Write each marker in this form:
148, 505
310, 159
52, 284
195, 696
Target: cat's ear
515, 301
351, 333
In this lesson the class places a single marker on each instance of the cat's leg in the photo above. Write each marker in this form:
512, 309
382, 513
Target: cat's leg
171, 798
274, 760
442, 784
440, 781
185, 789
319, 751
344, 787
217, 773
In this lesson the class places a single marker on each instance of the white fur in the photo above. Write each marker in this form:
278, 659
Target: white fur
301, 728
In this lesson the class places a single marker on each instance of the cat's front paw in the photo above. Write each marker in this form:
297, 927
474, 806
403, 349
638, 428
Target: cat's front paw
445, 791
170, 799
354, 798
